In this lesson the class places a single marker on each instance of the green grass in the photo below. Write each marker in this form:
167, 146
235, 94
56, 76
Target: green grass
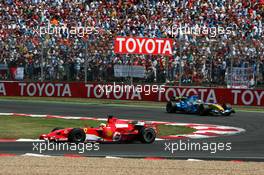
165, 130
13, 127
28, 127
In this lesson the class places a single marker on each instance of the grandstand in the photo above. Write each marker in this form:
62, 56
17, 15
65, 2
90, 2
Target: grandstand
88, 55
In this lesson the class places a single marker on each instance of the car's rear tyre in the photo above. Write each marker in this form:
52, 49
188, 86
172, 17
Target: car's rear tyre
203, 110
147, 135
76, 135
57, 128
170, 108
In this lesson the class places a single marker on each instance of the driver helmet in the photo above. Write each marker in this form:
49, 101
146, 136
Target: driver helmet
102, 125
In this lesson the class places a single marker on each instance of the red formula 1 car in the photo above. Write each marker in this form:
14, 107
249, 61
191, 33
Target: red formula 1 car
114, 130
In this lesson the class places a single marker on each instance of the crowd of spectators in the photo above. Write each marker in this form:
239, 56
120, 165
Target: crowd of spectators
200, 57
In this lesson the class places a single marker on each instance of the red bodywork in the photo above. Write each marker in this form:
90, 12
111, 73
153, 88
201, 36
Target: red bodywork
115, 130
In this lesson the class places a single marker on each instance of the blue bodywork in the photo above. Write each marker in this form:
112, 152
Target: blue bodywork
188, 104
194, 105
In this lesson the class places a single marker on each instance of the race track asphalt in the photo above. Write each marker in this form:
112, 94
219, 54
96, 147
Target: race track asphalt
245, 146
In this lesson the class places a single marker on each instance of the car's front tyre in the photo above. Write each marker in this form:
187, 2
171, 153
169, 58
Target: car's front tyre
76, 135
226, 106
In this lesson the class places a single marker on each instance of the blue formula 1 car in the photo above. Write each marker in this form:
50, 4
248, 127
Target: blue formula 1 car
193, 105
